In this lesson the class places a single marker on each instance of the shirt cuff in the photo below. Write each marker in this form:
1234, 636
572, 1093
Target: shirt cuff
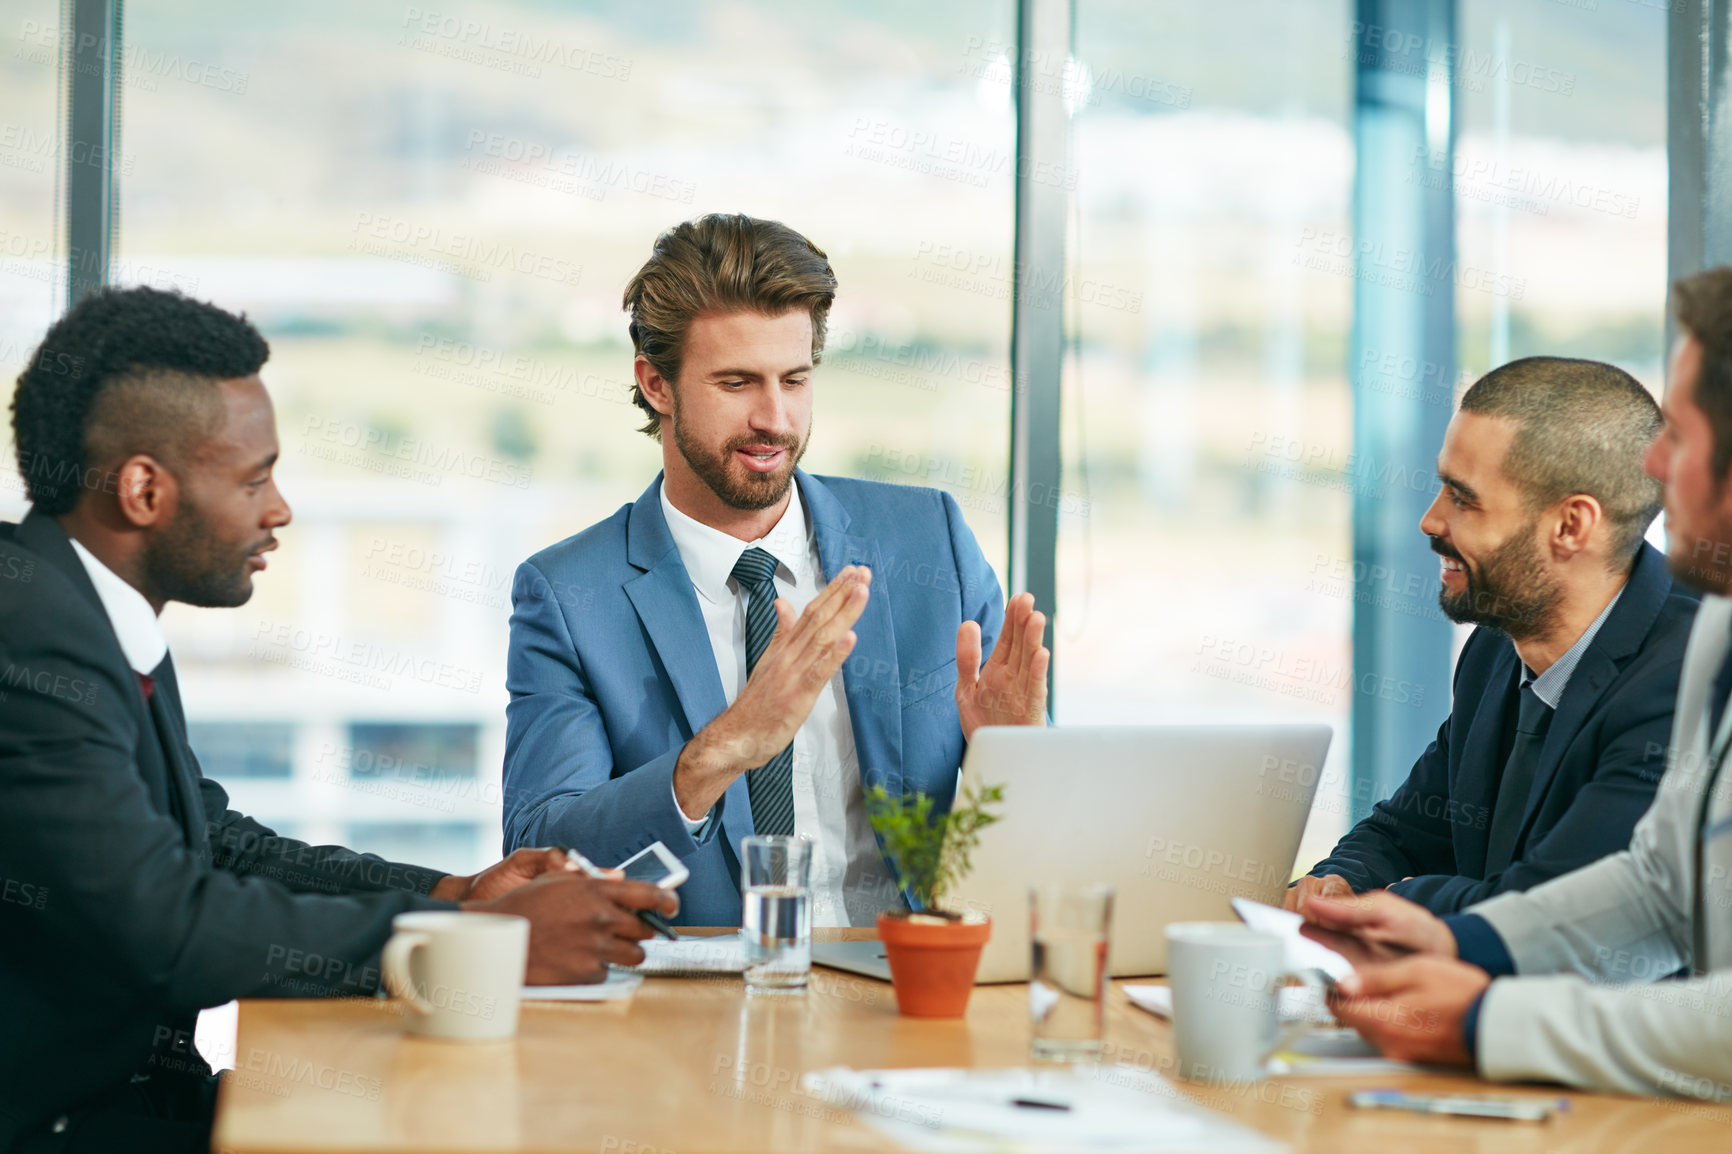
1470, 1028
1478, 944
692, 827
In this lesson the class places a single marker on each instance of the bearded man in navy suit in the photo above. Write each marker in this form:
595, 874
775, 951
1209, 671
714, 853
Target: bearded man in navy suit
1563, 697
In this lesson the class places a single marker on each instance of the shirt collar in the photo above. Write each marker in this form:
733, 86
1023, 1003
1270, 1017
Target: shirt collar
1549, 686
710, 554
129, 614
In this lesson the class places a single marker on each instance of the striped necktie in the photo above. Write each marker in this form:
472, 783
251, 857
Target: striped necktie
771, 785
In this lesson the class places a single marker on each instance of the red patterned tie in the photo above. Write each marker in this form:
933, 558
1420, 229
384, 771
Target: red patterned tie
147, 683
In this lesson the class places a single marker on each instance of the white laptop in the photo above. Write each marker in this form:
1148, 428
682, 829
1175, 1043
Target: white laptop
1179, 819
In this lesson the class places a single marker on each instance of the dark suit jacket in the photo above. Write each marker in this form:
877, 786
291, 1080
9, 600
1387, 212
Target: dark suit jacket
1602, 757
131, 896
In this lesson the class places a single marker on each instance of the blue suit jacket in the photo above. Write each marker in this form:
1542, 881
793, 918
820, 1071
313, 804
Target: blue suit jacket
611, 672
1602, 757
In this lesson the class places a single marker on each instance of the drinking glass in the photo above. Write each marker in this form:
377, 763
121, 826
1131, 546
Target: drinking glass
1069, 928
776, 922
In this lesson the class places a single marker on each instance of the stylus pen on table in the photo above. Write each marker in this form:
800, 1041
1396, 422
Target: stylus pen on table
649, 917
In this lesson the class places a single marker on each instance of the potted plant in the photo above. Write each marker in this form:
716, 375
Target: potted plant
933, 952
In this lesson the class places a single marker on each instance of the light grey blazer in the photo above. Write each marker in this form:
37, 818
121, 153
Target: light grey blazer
1605, 934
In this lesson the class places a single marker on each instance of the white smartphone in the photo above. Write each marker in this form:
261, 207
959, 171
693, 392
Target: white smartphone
656, 865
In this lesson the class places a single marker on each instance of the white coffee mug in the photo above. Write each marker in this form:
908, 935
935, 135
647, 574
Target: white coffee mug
460, 975
1224, 977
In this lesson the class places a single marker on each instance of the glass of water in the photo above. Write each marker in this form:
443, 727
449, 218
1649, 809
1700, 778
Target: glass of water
1068, 927
776, 922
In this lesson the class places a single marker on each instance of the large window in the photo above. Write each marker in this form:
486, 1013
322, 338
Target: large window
1560, 180
432, 216
31, 159
1208, 423
1206, 403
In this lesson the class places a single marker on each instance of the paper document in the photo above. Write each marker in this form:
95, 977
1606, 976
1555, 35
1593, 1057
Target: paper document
1112, 1108
663, 959
1302, 952
619, 984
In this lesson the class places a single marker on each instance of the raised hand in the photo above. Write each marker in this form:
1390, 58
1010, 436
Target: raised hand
795, 667
578, 924
1010, 689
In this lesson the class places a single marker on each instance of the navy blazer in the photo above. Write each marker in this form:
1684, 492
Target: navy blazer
611, 672
1601, 760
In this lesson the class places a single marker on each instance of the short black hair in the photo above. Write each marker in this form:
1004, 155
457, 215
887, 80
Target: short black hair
1581, 427
112, 336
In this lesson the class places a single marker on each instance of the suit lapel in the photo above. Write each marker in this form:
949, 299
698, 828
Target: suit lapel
170, 719
161, 755
1619, 638
870, 676
667, 608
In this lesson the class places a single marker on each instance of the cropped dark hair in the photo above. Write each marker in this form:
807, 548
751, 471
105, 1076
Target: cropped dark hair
1703, 306
723, 261
161, 350
1581, 427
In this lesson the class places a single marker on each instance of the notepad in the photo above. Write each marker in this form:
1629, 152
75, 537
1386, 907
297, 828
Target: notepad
619, 984
692, 957
1024, 1111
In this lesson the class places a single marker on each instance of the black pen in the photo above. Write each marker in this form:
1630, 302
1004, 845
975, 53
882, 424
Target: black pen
648, 917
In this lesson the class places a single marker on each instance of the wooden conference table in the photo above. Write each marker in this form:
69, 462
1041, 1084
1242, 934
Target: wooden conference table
688, 1066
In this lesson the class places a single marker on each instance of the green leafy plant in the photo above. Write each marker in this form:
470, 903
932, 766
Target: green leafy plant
931, 852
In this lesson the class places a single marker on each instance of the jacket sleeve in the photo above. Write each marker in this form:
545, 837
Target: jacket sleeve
1408, 834
1599, 820
560, 788
1667, 1038
121, 884
982, 599
1623, 918
247, 848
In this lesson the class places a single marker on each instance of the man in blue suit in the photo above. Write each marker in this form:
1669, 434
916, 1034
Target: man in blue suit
747, 648
1563, 697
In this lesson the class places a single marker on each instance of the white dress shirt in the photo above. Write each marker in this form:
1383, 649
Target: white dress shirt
134, 621
850, 882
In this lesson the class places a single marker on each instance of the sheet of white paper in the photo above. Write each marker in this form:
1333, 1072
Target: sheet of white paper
1302, 952
1118, 1108
662, 958
619, 984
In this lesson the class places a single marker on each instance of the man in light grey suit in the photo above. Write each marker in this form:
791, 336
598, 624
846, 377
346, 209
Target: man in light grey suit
1561, 983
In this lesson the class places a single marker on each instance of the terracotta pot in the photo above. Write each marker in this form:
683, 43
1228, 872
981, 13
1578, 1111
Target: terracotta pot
932, 963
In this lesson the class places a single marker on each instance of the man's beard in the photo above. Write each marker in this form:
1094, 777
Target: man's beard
1512, 590
749, 491
187, 562
1703, 562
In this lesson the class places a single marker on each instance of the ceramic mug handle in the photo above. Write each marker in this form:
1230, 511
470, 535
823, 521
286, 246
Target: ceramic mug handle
395, 963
